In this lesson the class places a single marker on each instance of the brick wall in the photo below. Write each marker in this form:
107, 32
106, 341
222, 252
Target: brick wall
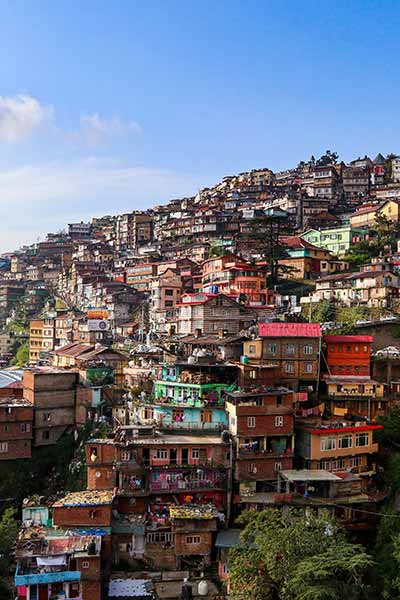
100, 478
76, 516
265, 425
260, 468
16, 449
193, 543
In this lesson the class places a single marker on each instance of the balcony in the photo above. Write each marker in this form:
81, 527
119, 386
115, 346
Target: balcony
193, 426
44, 575
192, 485
190, 402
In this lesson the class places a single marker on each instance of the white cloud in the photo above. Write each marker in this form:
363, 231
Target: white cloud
20, 116
96, 129
35, 199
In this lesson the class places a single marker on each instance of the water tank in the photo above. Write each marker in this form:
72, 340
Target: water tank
244, 359
203, 588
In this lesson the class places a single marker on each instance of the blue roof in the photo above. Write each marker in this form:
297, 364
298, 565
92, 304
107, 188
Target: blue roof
10, 376
228, 538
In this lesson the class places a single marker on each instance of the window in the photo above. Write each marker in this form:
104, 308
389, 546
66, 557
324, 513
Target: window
308, 349
328, 443
279, 401
356, 349
252, 349
251, 468
162, 454
290, 349
325, 465
355, 461
159, 537
253, 374
338, 465
3, 447
362, 439
225, 569
125, 456
85, 564
46, 416
308, 367
94, 514
45, 435
279, 421
169, 292
25, 427
289, 368
195, 453
278, 466
193, 539
272, 348
345, 441
251, 422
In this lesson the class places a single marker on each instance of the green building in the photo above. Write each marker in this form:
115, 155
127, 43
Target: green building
336, 239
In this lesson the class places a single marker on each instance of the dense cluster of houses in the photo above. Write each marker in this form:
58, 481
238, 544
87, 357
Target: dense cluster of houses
215, 393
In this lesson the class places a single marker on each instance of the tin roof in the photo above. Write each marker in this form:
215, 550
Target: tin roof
285, 330
348, 338
193, 511
86, 498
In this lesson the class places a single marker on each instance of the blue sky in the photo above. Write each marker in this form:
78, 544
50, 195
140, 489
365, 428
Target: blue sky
110, 106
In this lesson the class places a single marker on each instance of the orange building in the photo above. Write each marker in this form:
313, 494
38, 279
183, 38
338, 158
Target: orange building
348, 354
231, 274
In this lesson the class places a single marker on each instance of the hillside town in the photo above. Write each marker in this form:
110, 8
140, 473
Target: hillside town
190, 364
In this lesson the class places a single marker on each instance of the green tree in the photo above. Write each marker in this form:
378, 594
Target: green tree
22, 356
279, 552
8, 535
263, 238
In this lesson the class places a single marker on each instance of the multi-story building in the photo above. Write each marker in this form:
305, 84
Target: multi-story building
287, 352
232, 275
396, 169
209, 313
79, 231
262, 424
356, 183
52, 563
350, 389
336, 445
166, 291
16, 427
337, 240
132, 230
52, 393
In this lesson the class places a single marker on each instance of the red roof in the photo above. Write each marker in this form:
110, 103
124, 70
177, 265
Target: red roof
289, 330
368, 339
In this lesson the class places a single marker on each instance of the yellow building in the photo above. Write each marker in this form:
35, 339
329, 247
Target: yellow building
367, 215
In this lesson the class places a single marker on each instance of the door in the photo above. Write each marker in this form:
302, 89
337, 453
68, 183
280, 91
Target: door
206, 416
146, 456
185, 456
173, 456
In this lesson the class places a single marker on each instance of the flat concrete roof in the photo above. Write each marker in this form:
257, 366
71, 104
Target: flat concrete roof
309, 475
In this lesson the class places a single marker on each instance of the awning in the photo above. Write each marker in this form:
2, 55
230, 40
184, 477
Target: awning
51, 561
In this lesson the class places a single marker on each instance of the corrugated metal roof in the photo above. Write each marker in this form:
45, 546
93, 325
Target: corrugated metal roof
348, 338
10, 377
289, 330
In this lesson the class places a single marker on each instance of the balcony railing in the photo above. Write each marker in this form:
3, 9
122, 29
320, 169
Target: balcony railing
193, 426
189, 402
181, 485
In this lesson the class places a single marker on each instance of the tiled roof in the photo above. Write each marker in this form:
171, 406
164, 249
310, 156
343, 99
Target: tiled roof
285, 330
